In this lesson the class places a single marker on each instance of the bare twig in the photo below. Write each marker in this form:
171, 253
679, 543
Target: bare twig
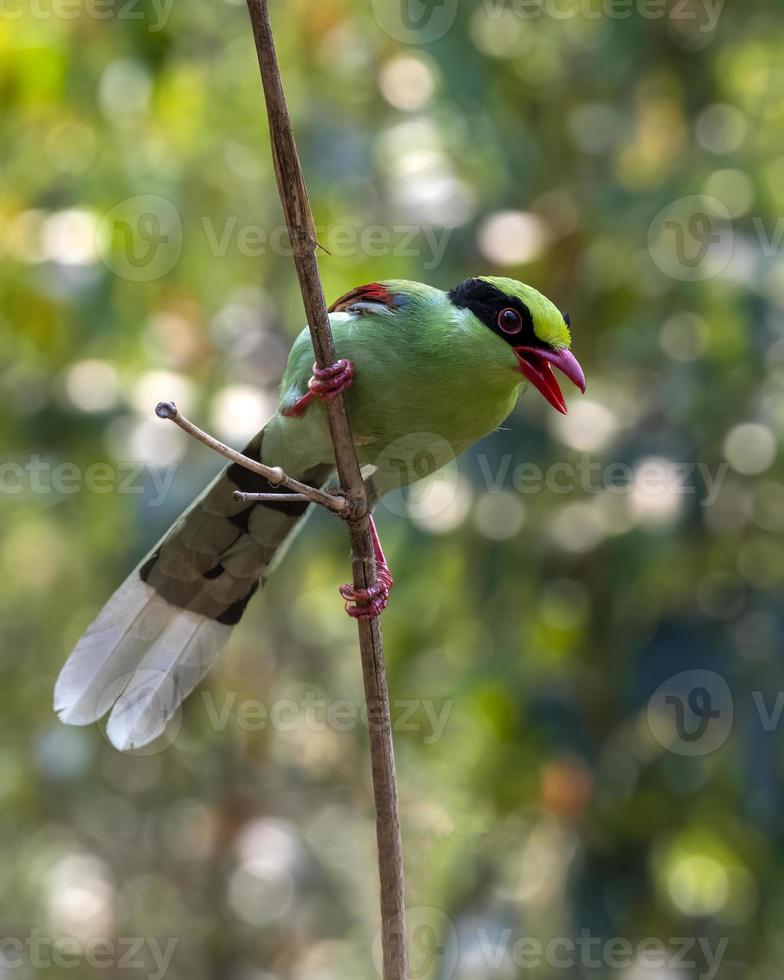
260, 498
275, 475
299, 220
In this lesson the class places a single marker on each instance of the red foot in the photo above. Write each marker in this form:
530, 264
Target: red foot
326, 384
369, 603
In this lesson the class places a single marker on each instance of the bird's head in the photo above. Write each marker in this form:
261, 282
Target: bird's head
534, 328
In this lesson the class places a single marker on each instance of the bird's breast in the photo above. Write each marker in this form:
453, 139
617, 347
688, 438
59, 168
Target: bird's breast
426, 419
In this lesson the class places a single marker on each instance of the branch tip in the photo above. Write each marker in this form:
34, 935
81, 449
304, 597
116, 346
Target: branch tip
166, 410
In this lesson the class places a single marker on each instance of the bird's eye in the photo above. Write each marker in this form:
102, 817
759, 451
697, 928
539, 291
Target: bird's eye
510, 321
567, 319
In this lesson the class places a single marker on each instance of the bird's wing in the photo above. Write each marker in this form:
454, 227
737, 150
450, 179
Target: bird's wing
375, 302
373, 297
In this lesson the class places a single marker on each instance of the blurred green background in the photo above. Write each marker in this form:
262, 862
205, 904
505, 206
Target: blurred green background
585, 670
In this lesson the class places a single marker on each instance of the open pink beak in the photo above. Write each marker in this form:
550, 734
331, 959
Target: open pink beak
535, 365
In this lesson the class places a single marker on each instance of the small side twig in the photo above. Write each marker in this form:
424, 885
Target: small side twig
276, 476
260, 498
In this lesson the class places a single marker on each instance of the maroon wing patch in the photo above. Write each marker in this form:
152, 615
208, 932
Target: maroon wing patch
372, 292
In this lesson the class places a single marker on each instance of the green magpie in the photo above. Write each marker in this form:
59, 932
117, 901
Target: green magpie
425, 374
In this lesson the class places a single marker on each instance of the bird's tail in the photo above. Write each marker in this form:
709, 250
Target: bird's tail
162, 629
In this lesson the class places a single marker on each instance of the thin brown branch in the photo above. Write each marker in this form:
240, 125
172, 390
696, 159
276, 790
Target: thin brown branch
299, 219
260, 498
275, 475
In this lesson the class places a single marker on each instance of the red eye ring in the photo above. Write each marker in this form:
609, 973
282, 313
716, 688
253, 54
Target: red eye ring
510, 321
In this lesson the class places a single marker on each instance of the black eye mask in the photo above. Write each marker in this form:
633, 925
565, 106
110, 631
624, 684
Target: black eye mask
497, 311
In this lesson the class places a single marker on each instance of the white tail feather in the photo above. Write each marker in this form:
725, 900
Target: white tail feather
142, 655
166, 675
90, 682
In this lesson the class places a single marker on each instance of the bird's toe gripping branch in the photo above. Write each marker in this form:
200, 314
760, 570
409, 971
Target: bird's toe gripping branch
369, 603
365, 603
326, 384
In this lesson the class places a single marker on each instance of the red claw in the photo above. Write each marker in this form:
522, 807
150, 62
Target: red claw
371, 602
326, 384
365, 603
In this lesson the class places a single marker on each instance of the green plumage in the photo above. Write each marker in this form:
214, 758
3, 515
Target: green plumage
434, 372
430, 379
